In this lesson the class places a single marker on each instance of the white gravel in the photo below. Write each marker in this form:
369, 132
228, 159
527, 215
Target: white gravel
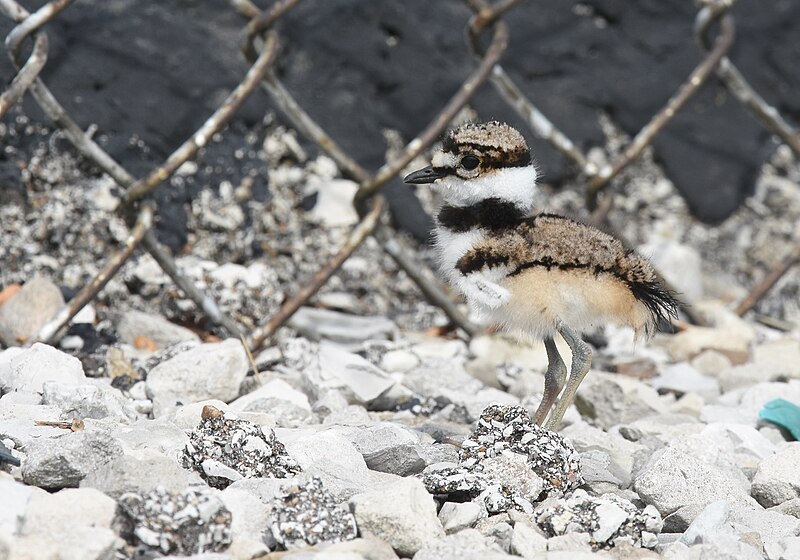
365, 434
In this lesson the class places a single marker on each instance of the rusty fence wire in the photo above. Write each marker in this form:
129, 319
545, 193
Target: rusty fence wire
260, 46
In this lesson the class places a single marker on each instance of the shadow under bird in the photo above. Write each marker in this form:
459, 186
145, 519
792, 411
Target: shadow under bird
541, 274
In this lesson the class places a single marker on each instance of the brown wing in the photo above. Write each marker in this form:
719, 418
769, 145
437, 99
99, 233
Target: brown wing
555, 241
552, 241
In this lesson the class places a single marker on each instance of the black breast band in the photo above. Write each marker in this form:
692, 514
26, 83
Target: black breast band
492, 214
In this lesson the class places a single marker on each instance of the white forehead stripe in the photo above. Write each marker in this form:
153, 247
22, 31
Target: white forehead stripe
444, 159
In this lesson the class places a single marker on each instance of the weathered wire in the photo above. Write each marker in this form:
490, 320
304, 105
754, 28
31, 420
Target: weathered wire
51, 329
370, 184
29, 23
432, 132
357, 236
26, 75
513, 95
768, 282
688, 88
490, 13
740, 88
487, 16
213, 124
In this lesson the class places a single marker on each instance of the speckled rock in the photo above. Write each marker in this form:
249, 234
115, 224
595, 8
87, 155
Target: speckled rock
609, 520
307, 515
225, 450
193, 521
510, 428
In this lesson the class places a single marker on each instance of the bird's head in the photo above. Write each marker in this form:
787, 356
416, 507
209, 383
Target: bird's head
479, 161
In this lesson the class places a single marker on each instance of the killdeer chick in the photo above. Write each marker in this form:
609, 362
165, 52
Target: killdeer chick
541, 274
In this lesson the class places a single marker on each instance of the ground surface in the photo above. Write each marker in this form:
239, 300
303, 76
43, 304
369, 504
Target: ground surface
362, 421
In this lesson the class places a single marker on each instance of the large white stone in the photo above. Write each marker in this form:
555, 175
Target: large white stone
615, 399
209, 371
140, 471
71, 507
15, 498
778, 358
77, 522
777, 479
673, 479
250, 517
273, 389
132, 324
334, 202
40, 363
331, 457
62, 462
470, 544
388, 447
403, 514
94, 399
527, 541
457, 516
359, 377
28, 310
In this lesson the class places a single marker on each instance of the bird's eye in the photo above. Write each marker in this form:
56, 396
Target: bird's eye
470, 162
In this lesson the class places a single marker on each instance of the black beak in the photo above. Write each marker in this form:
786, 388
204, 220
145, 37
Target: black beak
425, 175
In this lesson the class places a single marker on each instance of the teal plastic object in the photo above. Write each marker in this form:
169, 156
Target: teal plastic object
784, 414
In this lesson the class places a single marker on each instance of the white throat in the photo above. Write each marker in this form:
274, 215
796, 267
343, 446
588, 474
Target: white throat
511, 184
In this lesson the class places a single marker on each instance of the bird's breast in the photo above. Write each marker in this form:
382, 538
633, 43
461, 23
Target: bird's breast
451, 246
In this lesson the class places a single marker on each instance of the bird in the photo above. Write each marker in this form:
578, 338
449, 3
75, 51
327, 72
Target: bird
537, 273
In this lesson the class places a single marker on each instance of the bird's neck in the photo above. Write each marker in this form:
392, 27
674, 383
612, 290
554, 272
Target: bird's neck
492, 214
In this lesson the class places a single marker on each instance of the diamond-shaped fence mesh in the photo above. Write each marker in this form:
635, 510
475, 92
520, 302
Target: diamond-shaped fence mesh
487, 39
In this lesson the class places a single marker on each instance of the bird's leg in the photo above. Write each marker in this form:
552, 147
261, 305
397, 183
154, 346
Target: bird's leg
554, 379
581, 360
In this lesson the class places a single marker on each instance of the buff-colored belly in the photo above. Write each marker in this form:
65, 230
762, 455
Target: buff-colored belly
541, 298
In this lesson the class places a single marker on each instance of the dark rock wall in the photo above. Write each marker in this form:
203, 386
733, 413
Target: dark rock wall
156, 70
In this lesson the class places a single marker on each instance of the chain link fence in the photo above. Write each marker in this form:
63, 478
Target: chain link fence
714, 31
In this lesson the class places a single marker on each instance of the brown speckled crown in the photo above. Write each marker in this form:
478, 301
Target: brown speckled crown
498, 144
